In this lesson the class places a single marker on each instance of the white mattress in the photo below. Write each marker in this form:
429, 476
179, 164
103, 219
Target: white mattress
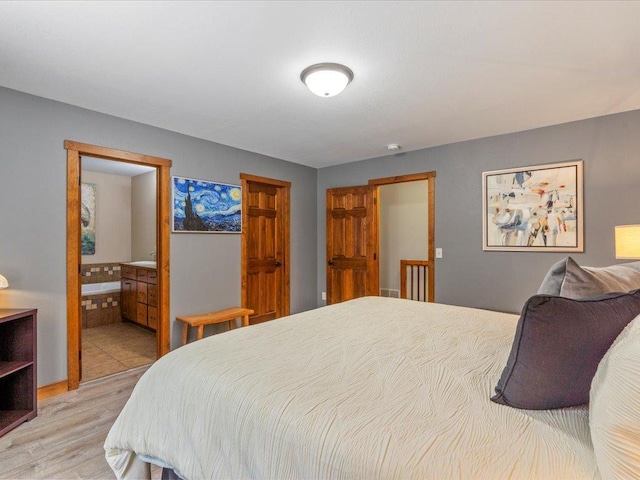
371, 388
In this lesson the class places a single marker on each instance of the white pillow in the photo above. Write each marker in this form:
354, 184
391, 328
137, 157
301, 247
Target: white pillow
614, 408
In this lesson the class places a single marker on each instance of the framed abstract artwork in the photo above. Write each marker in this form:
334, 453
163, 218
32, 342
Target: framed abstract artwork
88, 218
201, 206
533, 209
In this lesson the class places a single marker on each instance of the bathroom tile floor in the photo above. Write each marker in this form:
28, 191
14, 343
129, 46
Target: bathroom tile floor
114, 348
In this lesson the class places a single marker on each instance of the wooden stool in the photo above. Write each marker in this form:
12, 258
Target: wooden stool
202, 319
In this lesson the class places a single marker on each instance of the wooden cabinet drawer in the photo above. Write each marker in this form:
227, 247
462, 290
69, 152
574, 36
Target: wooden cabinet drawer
128, 298
142, 292
152, 276
152, 295
140, 295
152, 317
141, 276
127, 271
141, 316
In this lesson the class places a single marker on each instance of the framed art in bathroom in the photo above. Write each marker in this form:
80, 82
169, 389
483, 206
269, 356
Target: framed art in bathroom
533, 209
88, 218
202, 206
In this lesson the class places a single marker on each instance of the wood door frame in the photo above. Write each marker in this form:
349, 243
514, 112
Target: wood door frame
74, 258
285, 189
431, 218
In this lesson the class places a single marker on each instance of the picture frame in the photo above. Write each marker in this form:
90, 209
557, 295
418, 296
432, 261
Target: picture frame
203, 206
88, 218
534, 209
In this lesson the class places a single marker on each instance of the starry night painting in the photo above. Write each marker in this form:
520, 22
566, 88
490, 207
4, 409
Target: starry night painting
200, 206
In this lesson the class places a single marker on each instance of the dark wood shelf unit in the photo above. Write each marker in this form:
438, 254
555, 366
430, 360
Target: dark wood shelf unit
7, 368
18, 383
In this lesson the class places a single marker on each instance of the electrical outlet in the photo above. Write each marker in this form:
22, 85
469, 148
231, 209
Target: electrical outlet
438, 253
324, 296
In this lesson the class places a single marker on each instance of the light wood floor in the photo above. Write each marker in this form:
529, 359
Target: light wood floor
65, 440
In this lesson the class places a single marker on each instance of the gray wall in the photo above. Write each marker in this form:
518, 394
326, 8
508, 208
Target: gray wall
112, 217
610, 148
143, 225
205, 269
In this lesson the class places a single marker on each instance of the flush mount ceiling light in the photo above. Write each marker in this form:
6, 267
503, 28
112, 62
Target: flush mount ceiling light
326, 79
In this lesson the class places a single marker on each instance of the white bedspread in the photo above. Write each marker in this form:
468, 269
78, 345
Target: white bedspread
371, 388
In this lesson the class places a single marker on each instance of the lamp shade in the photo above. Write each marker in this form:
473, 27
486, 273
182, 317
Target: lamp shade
326, 79
3, 282
627, 241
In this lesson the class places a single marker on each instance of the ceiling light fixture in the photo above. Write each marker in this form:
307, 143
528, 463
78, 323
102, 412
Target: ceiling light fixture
326, 79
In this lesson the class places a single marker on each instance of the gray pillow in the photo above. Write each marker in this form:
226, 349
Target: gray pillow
568, 279
558, 345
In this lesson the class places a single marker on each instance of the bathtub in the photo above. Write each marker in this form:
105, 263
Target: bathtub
100, 304
100, 288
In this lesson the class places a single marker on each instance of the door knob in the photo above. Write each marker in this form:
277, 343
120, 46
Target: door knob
278, 263
330, 262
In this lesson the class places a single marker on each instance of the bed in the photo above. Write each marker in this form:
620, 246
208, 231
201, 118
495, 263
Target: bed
369, 388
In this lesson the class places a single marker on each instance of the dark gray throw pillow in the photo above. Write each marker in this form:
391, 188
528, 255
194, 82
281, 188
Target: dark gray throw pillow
558, 345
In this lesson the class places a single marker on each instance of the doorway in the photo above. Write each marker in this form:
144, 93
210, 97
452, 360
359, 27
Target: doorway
353, 239
417, 276
265, 247
404, 240
118, 227
75, 152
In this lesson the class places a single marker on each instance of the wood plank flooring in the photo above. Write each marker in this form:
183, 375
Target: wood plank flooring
65, 440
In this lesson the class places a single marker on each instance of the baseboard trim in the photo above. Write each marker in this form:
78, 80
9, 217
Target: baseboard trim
47, 391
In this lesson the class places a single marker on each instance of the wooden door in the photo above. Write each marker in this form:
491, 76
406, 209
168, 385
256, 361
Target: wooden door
352, 260
265, 247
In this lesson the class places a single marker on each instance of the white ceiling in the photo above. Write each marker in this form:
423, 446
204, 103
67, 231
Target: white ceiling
426, 73
124, 169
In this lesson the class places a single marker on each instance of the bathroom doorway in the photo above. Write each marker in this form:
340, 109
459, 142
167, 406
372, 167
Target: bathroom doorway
156, 304
118, 243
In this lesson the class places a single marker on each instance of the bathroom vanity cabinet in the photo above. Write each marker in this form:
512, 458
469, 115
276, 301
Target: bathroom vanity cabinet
18, 401
139, 296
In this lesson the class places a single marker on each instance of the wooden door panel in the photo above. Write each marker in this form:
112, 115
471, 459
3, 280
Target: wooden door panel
265, 248
348, 284
253, 243
270, 233
253, 294
352, 264
338, 236
261, 265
